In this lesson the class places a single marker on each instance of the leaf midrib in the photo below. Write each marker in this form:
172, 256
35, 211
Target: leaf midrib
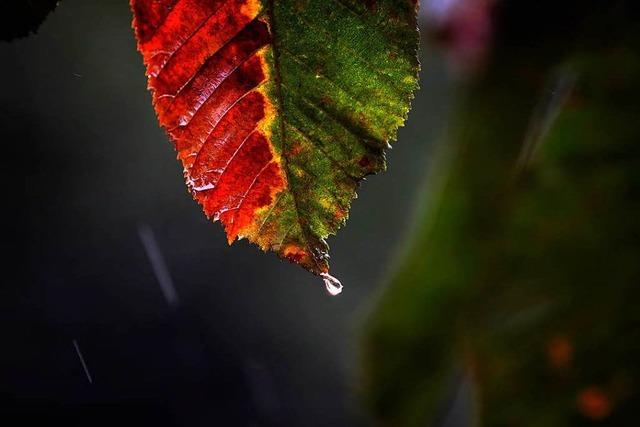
280, 108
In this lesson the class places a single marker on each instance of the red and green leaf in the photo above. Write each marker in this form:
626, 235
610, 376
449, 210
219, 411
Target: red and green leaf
279, 108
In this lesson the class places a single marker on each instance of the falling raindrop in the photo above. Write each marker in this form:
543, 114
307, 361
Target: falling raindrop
333, 285
84, 365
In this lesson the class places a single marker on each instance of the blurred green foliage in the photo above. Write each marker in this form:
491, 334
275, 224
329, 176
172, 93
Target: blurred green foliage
525, 271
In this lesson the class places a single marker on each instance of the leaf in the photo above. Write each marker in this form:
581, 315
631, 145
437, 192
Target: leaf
19, 18
279, 108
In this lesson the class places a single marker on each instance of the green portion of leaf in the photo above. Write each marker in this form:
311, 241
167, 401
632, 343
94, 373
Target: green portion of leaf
525, 270
344, 75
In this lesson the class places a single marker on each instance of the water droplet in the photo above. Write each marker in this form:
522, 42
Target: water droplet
333, 285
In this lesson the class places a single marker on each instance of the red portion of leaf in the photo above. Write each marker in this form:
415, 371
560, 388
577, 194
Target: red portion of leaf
219, 40
197, 124
204, 66
183, 22
180, 98
226, 139
150, 15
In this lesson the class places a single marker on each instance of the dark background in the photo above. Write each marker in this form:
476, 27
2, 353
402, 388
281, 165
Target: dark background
249, 340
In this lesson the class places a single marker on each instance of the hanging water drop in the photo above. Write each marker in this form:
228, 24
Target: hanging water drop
333, 285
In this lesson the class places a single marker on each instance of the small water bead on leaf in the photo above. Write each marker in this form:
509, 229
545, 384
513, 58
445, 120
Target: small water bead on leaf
333, 285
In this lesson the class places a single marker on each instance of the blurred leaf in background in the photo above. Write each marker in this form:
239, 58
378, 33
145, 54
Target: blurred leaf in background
19, 18
524, 272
